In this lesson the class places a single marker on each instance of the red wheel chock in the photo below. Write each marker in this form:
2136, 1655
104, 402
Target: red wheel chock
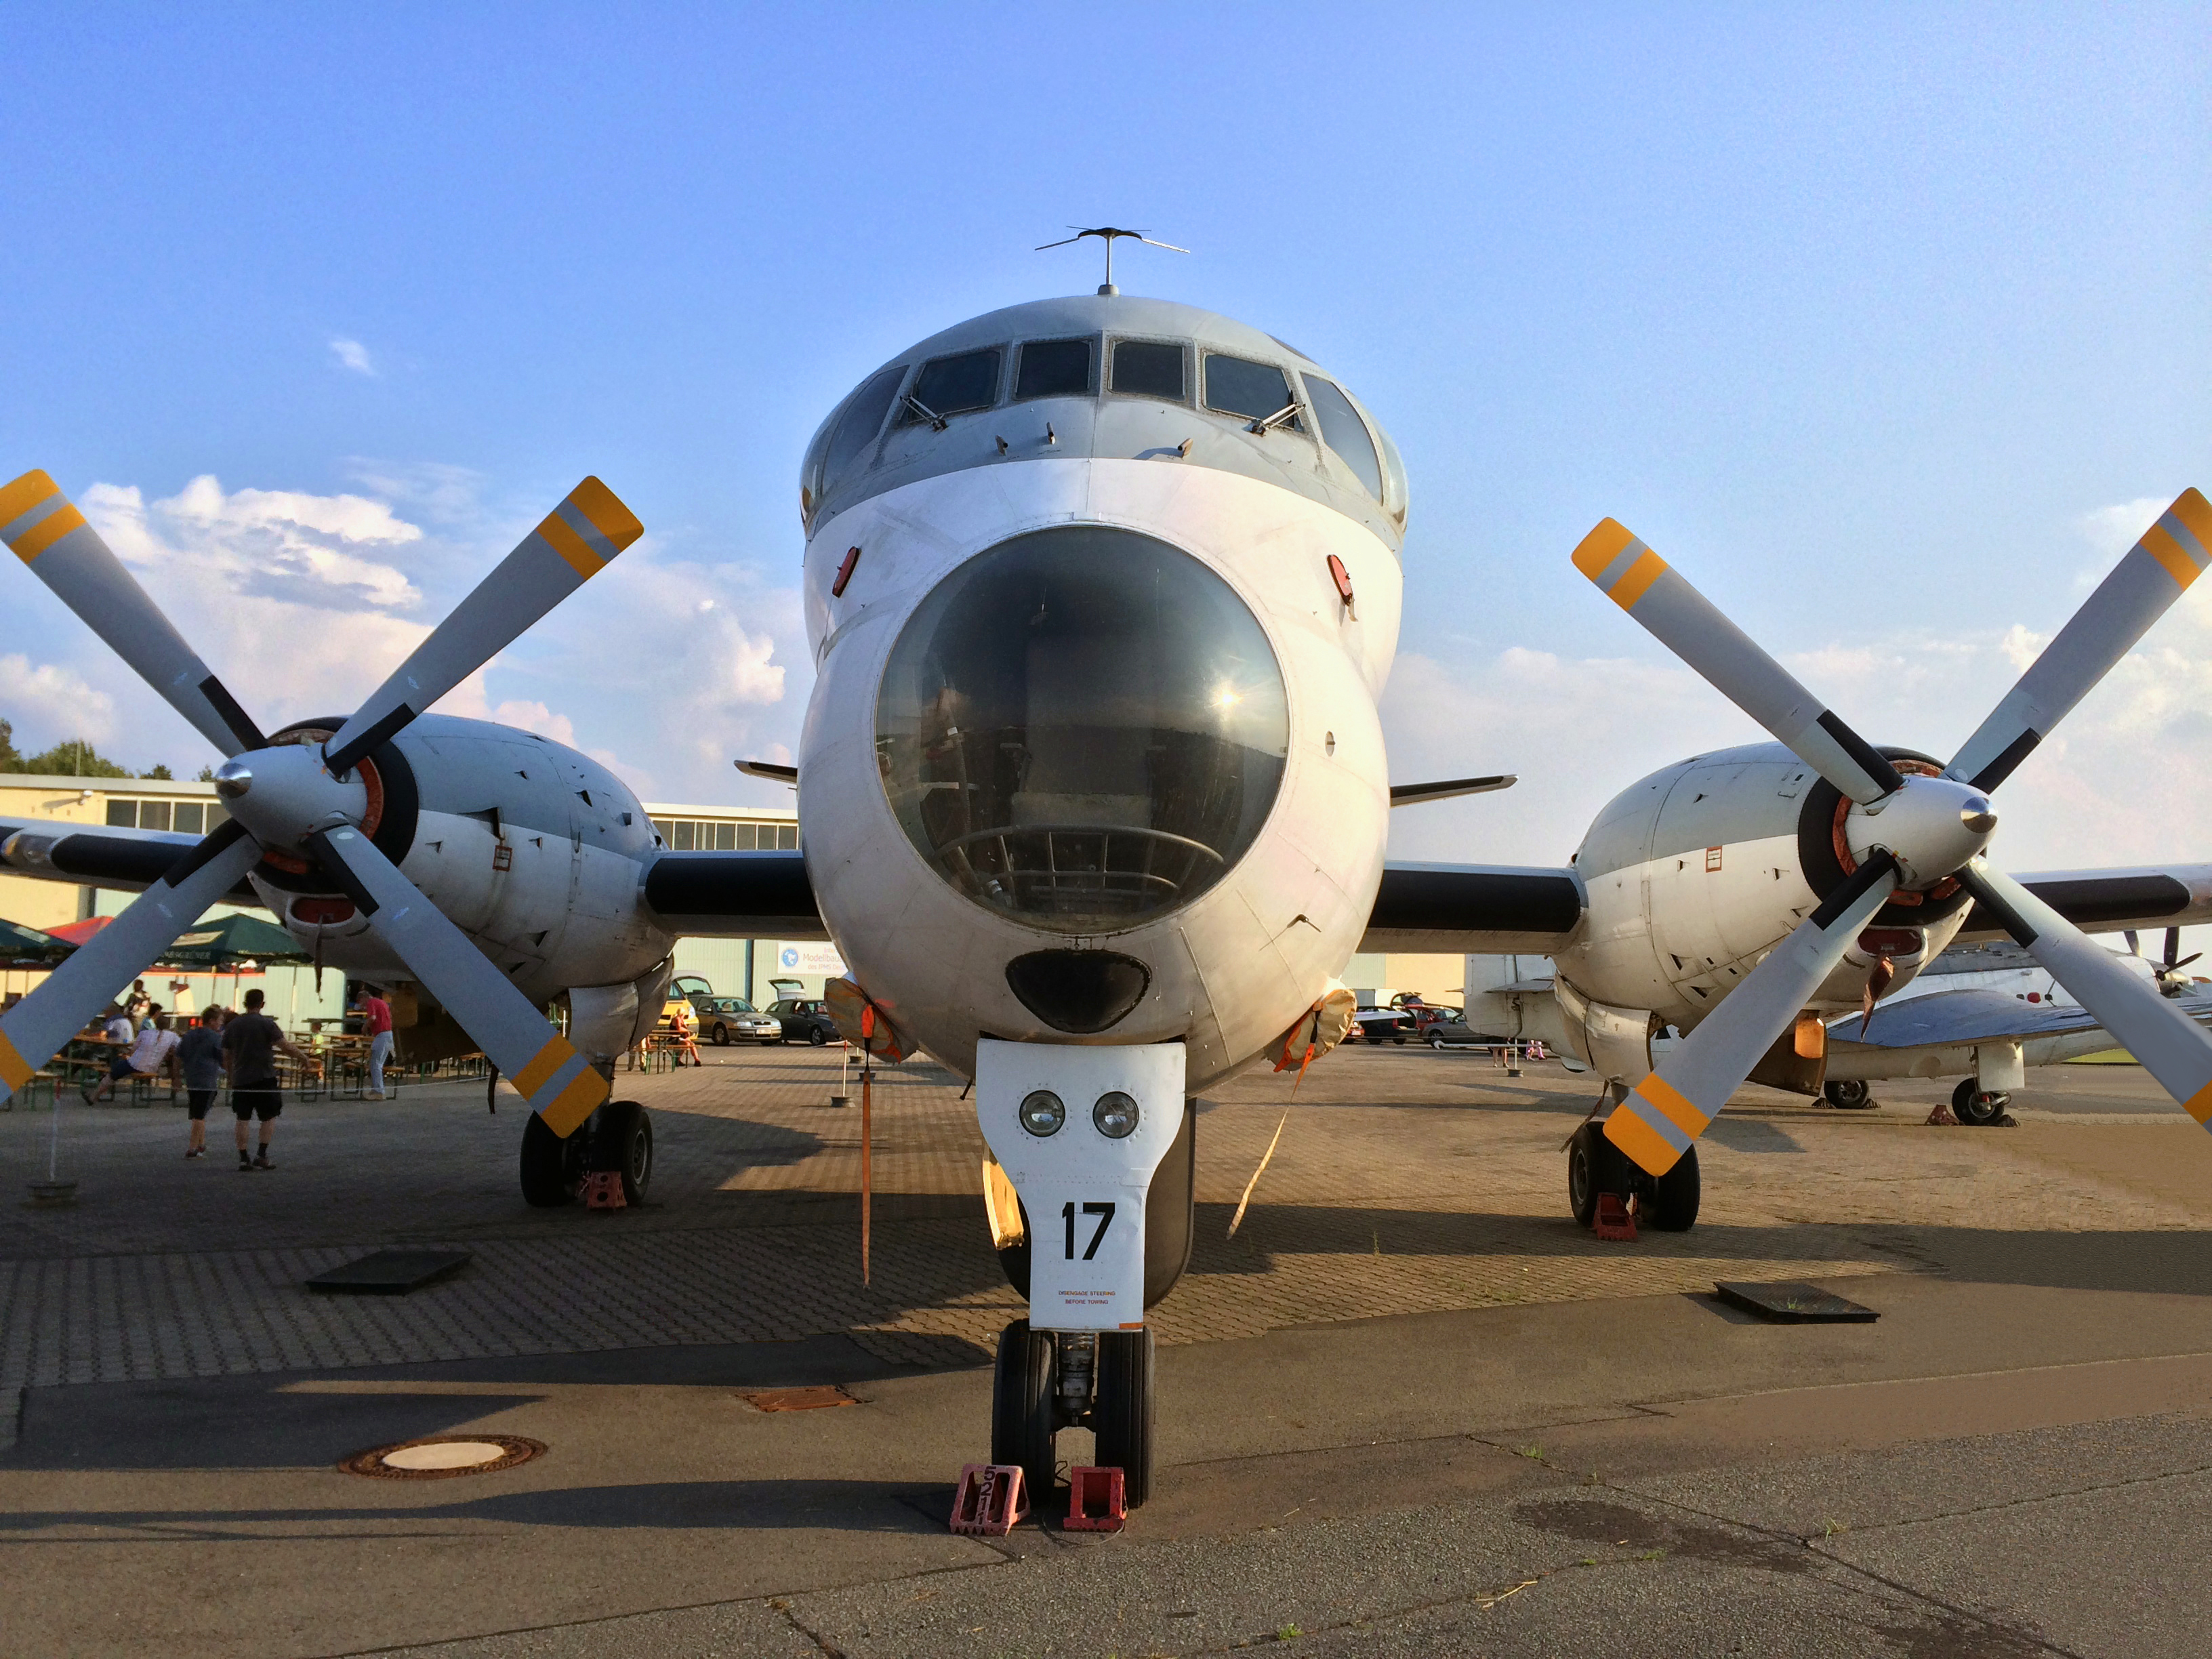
989, 1501
603, 1190
1095, 1500
1613, 1220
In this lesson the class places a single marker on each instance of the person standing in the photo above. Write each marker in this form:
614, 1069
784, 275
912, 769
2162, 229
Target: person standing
200, 1054
251, 1043
137, 1005
376, 1025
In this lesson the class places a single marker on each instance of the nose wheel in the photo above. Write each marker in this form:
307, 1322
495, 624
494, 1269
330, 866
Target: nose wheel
1668, 1203
1047, 1381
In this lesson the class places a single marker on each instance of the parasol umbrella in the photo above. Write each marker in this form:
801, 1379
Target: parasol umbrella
229, 943
26, 947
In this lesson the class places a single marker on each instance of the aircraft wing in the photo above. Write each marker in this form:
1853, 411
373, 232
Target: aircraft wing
2108, 901
1485, 908
1939, 1030
91, 855
734, 895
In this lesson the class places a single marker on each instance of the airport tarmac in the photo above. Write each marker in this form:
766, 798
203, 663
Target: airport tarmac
1408, 1408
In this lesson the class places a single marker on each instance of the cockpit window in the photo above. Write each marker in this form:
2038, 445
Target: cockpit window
1054, 368
1236, 386
1343, 431
953, 386
862, 419
1149, 368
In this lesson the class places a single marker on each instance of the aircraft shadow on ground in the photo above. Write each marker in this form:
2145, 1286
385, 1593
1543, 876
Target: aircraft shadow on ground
870, 1507
2166, 1260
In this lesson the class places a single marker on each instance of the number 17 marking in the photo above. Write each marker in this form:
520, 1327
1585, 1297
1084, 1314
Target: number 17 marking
1104, 1212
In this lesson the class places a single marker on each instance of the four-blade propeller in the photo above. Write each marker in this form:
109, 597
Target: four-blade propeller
295, 799
1916, 831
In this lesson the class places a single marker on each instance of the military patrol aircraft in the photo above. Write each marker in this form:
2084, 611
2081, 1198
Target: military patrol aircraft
1101, 593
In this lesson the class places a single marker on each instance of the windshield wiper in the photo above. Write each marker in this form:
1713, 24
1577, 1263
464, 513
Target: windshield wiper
1266, 423
937, 422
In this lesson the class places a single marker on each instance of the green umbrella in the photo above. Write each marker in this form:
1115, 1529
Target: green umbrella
231, 942
26, 947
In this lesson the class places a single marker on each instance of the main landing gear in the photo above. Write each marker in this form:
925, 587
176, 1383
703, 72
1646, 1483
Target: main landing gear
1973, 1105
618, 1137
1596, 1166
1047, 1381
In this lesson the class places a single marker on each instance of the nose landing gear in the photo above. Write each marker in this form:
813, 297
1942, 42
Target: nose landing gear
1668, 1203
1047, 1381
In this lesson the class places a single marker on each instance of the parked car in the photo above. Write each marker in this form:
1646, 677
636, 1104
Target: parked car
725, 1020
805, 1020
1384, 1024
1445, 1028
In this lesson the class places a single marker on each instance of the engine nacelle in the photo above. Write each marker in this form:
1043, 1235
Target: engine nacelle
1695, 872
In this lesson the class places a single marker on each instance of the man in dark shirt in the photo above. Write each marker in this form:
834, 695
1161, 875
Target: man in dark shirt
250, 1046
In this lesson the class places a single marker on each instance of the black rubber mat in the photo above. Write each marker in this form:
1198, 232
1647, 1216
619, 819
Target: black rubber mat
1793, 1303
390, 1272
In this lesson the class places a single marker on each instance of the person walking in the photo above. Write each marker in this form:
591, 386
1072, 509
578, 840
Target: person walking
376, 1025
251, 1043
200, 1055
154, 1048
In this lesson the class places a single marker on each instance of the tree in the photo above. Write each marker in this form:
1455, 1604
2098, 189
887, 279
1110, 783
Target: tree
75, 758
9, 760
161, 772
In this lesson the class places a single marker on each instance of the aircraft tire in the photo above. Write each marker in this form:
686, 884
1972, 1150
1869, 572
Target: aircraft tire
552, 1169
1674, 1205
622, 1139
1021, 1409
1121, 1416
1594, 1165
1849, 1094
1971, 1106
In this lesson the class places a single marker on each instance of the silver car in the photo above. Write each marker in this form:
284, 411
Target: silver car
725, 1020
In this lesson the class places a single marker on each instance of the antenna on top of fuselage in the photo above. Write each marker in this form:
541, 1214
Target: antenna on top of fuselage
1106, 233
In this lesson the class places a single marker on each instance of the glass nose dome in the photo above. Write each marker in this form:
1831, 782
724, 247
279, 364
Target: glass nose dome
1083, 728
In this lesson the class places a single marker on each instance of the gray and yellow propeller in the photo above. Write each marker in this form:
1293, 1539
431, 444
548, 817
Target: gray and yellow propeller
298, 799
1917, 830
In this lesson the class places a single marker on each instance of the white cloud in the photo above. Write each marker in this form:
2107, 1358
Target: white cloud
2113, 530
47, 703
353, 354
303, 603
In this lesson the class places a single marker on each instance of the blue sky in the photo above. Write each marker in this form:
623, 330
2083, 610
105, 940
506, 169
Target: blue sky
1883, 323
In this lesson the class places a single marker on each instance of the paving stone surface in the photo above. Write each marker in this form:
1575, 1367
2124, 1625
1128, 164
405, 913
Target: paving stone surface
1404, 1182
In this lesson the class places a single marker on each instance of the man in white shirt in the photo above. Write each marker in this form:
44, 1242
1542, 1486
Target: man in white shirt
154, 1048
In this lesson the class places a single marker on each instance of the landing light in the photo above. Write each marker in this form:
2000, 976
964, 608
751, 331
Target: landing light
1115, 1114
1041, 1113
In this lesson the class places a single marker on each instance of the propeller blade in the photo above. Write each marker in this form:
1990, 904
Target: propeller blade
1670, 1109
1688, 623
49, 534
2155, 573
2173, 1048
33, 1030
576, 541
512, 1032
2173, 947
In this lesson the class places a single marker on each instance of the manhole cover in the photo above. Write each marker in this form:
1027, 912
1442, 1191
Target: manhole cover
438, 1456
799, 1400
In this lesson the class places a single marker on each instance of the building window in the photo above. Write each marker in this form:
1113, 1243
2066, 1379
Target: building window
123, 815
190, 816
